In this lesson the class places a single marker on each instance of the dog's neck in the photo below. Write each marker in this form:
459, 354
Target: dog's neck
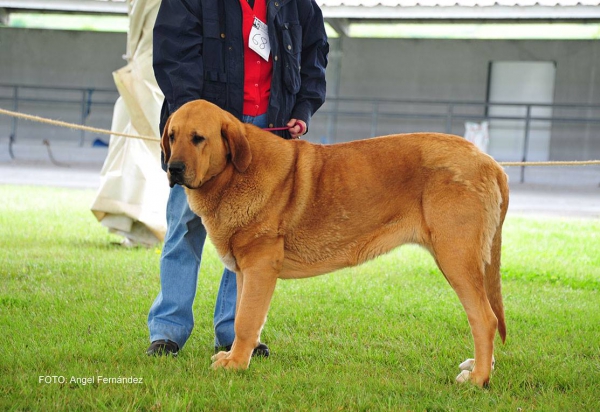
207, 198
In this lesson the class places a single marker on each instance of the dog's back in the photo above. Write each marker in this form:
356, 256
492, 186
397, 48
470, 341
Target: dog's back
340, 205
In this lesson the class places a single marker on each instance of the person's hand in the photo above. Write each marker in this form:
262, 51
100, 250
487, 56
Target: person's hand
297, 128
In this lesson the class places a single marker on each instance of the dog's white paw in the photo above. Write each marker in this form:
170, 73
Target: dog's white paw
467, 365
463, 376
219, 356
466, 368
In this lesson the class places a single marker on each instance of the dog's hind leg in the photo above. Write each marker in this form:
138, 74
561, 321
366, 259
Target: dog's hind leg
464, 272
456, 242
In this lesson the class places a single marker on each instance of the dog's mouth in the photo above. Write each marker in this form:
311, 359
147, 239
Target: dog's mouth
181, 180
176, 173
175, 180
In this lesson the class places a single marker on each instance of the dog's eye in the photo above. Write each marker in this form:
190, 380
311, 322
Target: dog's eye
171, 137
197, 139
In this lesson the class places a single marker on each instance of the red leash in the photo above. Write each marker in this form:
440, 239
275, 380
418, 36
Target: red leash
276, 129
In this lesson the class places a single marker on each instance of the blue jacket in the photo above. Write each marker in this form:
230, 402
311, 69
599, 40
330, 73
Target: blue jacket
198, 54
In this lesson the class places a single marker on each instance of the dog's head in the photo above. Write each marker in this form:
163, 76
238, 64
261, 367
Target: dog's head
199, 141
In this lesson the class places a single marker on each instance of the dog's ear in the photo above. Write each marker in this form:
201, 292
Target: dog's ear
235, 137
165, 144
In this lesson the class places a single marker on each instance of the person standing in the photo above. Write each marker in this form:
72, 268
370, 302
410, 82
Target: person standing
264, 62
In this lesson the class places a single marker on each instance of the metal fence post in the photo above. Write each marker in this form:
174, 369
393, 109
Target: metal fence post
526, 141
449, 118
332, 122
374, 116
86, 108
13, 133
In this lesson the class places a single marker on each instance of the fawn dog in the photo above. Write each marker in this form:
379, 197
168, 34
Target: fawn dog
277, 208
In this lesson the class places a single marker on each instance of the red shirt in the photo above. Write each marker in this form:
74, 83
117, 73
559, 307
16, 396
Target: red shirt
257, 71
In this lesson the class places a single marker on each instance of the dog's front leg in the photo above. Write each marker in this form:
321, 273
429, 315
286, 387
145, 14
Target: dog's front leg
260, 269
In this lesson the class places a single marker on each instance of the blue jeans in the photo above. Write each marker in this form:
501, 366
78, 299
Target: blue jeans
171, 316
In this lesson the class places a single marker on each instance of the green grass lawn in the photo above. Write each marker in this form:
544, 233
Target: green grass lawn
388, 335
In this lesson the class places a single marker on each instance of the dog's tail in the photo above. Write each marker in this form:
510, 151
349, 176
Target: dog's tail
492, 279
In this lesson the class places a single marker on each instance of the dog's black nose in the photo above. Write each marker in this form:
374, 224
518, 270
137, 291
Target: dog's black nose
177, 168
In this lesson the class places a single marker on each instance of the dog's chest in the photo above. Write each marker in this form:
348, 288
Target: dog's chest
229, 261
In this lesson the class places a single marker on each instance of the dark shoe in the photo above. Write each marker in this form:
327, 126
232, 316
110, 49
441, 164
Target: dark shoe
162, 347
261, 351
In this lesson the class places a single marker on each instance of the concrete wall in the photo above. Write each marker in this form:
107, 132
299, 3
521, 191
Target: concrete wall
370, 68
458, 70
58, 59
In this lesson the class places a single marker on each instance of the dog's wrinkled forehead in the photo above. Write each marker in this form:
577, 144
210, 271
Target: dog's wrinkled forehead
194, 120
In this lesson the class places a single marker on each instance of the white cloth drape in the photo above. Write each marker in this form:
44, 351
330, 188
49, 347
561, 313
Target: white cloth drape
132, 197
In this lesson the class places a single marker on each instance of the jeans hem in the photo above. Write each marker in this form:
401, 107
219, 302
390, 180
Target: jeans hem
163, 331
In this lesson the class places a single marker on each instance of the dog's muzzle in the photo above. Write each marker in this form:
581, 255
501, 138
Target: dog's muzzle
176, 173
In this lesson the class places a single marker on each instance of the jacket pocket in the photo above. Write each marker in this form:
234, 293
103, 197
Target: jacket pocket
291, 55
213, 47
215, 78
215, 88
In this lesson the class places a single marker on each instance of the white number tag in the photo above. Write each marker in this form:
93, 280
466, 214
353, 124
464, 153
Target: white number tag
259, 39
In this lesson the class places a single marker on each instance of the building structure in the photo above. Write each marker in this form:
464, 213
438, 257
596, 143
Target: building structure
528, 67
